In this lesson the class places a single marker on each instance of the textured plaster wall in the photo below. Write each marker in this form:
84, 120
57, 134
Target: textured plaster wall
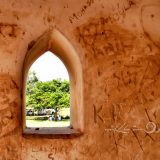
118, 42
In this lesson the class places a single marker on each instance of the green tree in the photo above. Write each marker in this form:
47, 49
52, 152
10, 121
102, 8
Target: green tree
32, 77
31, 81
53, 94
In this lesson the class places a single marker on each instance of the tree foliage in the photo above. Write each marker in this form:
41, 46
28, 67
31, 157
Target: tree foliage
31, 81
53, 94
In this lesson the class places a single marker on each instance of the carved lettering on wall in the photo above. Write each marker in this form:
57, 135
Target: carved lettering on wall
50, 156
118, 11
81, 12
52, 149
101, 39
8, 30
9, 100
97, 114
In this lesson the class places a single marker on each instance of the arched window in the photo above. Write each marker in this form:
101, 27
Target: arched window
48, 93
55, 42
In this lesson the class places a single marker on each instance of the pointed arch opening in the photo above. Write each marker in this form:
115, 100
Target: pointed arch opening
55, 42
48, 93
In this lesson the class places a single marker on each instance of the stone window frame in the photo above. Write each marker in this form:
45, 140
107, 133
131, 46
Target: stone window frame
54, 41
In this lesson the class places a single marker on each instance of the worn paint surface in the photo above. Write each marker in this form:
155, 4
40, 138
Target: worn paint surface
118, 43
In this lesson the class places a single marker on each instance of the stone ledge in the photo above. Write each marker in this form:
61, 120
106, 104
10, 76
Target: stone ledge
51, 131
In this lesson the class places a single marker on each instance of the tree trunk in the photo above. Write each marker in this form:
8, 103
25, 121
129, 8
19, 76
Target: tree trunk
56, 114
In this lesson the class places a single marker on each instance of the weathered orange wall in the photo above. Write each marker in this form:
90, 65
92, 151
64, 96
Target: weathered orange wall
118, 42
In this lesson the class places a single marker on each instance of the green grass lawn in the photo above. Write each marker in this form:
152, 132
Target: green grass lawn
46, 123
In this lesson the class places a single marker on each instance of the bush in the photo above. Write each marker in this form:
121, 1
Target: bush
37, 117
66, 117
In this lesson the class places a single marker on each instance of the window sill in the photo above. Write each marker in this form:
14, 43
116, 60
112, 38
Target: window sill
51, 131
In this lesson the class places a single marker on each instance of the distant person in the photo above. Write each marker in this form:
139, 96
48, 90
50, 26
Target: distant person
50, 118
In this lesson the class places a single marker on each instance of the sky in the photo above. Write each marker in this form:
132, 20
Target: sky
48, 67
